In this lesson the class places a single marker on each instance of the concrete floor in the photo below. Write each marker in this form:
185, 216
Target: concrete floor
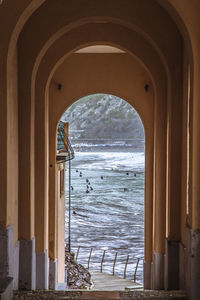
106, 287
108, 282
100, 295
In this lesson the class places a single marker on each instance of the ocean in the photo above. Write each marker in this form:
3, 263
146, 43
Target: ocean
107, 210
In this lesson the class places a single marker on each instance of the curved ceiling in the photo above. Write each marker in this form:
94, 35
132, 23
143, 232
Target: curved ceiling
147, 18
100, 49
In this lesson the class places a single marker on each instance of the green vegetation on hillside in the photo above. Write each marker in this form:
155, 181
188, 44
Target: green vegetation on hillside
103, 116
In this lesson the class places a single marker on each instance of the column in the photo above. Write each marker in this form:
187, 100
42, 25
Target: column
159, 206
27, 261
53, 209
174, 178
41, 184
148, 208
195, 230
9, 246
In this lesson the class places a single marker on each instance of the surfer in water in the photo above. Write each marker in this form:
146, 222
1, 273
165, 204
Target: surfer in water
75, 214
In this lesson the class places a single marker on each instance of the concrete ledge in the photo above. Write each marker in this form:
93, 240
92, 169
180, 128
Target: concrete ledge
147, 275
9, 256
53, 274
171, 265
7, 251
16, 267
182, 267
79, 294
194, 292
188, 258
158, 271
6, 288
27, 265
42, 271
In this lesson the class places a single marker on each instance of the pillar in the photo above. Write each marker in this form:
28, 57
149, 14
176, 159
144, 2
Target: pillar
148, 208
54, 195
185, 172
159, 206
53, 210
3, 171
61, 222
27, 261
41, 185
194, 239
9, 246
174, 176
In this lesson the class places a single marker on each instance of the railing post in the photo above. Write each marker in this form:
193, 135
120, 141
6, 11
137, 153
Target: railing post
89, 258
114, 263
126, 266
102, 260
135, 273
77, 253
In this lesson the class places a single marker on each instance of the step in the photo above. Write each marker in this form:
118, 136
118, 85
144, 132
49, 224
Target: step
107, 295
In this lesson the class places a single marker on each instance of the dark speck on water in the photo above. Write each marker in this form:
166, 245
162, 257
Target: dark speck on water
114, 210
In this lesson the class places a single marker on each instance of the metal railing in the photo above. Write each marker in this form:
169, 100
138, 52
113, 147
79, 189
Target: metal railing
136, 262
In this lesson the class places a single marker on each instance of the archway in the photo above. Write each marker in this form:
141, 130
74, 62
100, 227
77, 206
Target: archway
155, 64
107, 185
41, 58
70, 72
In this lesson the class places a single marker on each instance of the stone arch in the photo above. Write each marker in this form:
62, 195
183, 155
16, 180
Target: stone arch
49, 52
128, 95
42, 78
13, 21
181, 21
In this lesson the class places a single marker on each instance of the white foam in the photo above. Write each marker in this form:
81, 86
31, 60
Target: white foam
111, 160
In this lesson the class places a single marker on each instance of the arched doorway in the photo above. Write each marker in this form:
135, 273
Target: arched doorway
107, 184
140, 95
35, 54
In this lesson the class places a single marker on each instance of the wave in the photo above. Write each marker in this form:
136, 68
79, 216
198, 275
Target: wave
116, 161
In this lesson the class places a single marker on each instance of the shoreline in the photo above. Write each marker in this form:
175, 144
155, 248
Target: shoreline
108, 149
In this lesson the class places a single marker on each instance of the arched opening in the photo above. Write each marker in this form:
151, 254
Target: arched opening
122, 69
106, 187
27, 60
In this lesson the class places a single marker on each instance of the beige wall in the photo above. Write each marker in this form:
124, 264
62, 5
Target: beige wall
30, 67
157, 60
117, 74
13, 21
61, 228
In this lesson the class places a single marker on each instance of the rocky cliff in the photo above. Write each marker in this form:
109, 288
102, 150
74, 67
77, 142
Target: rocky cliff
104, 117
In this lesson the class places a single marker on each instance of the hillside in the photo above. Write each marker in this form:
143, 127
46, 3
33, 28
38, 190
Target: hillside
102, 116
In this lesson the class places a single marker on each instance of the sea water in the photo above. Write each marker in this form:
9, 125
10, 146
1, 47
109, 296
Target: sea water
111, 215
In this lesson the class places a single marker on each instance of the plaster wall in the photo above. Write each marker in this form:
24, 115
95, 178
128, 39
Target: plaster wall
61, 230
185, 151
161, 92
33, 50
118, 74
77, 36
164, 38
186, 15
82, 73
12, 146
13, 21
